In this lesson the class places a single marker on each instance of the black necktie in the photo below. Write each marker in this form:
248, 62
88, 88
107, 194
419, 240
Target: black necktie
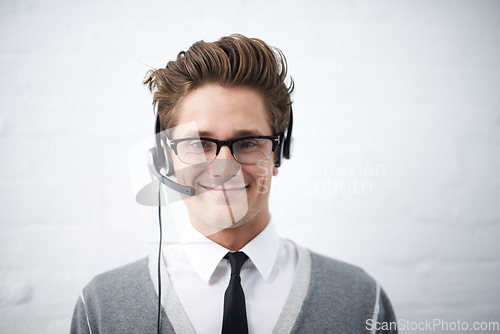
234, 320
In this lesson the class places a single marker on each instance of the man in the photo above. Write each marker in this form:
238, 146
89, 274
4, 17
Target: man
225, 112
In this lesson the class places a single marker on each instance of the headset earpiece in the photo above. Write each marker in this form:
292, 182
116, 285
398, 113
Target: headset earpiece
288, 142
161, 158
168, 164
286, 146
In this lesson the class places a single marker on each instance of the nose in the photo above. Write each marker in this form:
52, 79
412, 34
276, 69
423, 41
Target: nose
224, 167
225, 153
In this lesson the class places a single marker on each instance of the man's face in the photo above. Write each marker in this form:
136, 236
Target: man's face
228, 194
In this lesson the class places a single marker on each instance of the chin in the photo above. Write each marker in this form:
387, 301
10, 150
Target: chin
220, 212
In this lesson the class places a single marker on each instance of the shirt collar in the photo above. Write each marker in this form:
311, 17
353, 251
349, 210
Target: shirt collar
263, 250
205, 256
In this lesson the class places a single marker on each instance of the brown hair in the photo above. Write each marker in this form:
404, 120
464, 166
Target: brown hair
234, 60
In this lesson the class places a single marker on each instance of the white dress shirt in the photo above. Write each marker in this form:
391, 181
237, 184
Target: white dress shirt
200, 276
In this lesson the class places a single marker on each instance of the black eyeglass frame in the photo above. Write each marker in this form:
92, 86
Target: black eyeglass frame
172, 143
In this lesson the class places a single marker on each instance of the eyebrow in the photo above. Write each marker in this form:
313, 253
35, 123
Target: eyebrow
237, 134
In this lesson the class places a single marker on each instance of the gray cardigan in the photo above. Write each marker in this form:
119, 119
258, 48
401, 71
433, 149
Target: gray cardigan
327, 296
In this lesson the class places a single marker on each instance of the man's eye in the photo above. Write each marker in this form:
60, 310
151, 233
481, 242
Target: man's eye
246, 144
197, 144
201, 145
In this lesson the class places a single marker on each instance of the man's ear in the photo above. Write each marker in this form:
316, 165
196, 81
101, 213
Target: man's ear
275, 170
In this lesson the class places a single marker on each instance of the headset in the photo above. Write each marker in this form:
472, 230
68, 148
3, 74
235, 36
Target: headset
161, 166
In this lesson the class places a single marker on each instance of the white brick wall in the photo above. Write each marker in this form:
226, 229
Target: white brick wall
397, 154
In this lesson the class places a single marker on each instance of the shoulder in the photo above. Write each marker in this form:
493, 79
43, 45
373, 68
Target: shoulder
122, 300
121, 276
341, 296
334, 280
337, 272
131, 282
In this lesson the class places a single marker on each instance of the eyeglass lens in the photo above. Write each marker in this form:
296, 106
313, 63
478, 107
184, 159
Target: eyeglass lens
251, 150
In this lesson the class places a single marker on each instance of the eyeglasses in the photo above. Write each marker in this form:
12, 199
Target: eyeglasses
245, 150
